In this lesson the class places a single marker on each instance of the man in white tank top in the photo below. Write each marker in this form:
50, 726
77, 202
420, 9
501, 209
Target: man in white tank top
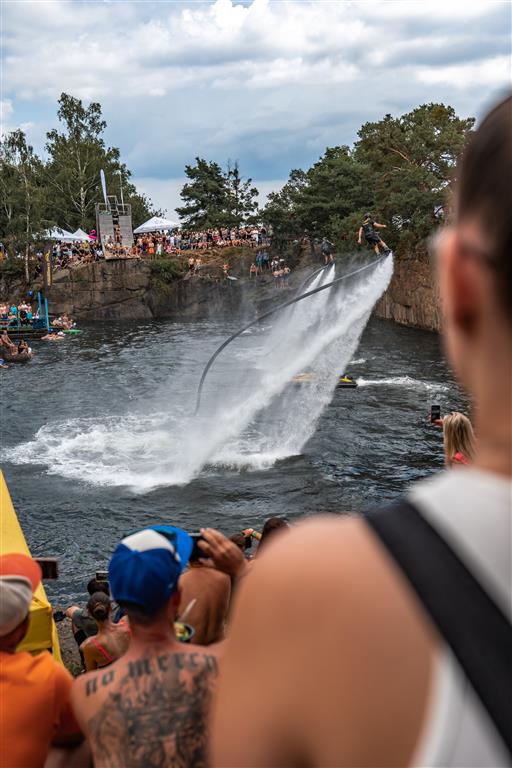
332, 658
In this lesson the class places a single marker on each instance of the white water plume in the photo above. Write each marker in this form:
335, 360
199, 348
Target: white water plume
251, 415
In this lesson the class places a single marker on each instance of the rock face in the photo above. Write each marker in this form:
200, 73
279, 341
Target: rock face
126, 289
412, 298
103, 290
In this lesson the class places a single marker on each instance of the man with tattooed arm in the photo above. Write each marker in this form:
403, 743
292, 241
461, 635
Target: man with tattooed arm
150, 707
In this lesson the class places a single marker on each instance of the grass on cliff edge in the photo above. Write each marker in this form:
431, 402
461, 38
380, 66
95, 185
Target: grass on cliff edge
163, 272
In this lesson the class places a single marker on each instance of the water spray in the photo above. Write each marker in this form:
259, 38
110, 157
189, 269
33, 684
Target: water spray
271, 312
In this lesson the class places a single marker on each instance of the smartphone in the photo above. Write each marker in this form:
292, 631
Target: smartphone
101, 575
197, 552
435, 413
248, 542
49, 567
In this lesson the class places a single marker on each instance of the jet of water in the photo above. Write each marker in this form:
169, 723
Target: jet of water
252, 413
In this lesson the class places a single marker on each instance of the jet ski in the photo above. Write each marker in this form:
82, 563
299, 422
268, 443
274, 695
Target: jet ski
306, 378
346, 381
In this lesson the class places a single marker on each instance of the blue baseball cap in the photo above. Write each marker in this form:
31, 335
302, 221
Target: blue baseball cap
146, 566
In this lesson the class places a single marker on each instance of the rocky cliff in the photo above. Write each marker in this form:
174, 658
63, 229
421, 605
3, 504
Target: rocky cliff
128, 289
412, 297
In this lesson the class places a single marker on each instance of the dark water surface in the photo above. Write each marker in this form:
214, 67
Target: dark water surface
81, 420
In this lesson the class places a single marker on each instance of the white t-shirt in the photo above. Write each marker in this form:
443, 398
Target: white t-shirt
472, 510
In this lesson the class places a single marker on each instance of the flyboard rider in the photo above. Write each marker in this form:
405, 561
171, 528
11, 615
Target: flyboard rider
369, 227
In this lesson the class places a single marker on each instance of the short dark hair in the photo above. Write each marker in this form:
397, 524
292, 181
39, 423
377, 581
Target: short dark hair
98, 586
139, 615
272, 525
484, 189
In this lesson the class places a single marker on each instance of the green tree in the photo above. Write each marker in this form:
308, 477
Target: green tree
336, 186
412, 159
205, 196
241, 205
76, 155
22, 195
281, 210
321, 201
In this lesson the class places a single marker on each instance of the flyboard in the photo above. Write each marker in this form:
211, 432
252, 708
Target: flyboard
278, 309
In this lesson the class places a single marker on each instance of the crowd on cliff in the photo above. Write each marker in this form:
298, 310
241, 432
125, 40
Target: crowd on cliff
154, 245
380, 639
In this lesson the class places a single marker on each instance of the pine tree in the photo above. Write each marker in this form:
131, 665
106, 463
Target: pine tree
205, 197
241, 203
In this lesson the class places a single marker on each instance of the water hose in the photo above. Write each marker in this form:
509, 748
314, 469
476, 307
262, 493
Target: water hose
273, 311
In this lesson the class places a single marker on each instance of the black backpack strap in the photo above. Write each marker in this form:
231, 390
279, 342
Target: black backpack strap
471, 623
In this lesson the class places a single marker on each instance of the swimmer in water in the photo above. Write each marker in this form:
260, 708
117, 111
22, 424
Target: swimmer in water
368, 227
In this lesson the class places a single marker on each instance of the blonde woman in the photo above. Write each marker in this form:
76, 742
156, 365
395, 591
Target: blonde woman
459, 440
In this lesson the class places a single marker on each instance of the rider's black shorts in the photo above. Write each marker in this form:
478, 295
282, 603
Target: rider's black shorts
373, 239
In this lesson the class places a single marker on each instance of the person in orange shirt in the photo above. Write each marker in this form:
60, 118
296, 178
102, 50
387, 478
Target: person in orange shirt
35, 709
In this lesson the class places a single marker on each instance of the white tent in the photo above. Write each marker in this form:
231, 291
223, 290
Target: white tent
82, 236
60, 234
155, 224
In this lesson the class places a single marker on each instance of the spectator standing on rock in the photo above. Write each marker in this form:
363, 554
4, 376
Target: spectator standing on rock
151, 706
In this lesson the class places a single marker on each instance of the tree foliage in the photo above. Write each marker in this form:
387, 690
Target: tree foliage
213, 197
22, 215
37, 194
399, 170
77, 153
241, 204
412, 159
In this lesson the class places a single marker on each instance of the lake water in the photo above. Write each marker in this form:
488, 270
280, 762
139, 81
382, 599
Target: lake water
99, 435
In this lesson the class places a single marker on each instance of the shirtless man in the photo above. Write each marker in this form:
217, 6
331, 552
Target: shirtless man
211, 591
150, 707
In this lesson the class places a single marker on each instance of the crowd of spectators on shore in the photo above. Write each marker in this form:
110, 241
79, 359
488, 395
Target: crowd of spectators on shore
12, 313
153, 245
381, 639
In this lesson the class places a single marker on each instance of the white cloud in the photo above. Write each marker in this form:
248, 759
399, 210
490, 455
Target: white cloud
490, 72
269, 83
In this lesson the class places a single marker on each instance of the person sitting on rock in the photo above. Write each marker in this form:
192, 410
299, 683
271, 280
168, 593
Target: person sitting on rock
111, 640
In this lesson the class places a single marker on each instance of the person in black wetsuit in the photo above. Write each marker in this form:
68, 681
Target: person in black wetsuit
368, 227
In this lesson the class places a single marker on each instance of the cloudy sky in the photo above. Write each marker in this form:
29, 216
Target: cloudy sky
268, 83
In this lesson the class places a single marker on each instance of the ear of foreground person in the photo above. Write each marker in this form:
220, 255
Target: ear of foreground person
386, 640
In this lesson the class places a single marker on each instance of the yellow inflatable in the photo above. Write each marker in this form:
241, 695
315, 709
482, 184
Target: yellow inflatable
42, 633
